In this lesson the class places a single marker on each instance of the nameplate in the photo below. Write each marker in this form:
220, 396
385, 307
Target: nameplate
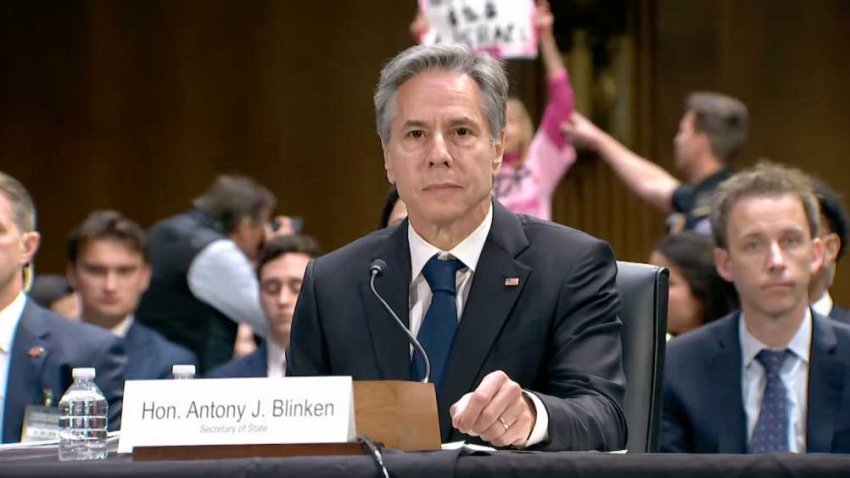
236, 411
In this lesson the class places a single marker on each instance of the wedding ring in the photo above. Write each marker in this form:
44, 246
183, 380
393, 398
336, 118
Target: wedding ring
504, 423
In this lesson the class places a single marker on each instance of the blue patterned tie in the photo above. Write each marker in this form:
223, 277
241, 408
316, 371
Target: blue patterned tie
437, 333
771, 431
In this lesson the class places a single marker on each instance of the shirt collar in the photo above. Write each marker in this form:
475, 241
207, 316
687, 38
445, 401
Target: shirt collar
9, 319
468, 250
800, 344
276, 353
122, 327
823, 306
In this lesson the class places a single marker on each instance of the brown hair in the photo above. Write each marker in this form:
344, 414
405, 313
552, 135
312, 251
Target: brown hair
722, 118
111, 225
765, 179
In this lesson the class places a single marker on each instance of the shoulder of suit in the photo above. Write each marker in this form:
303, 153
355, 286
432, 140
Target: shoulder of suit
73, 330
161, 342
695, 342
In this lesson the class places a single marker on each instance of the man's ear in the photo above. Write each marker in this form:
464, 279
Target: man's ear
818, 254
29, 246
831, 245
722, 264
388, 165
499, 151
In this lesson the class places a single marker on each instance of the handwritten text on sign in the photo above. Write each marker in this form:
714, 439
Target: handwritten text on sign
502, 28
236, 411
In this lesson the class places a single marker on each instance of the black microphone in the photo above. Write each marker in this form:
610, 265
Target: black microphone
376, 268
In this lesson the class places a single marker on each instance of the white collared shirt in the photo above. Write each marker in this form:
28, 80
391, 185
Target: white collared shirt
823, 306
121, 328
794, 374
467, 251
10, 317
275, 360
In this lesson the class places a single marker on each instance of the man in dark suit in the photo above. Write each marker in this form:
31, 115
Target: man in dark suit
833, 234
39, 349
771, 377
108, 266
280, 271
517, 315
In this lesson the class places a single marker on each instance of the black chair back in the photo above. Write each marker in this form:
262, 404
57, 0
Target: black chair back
643, 291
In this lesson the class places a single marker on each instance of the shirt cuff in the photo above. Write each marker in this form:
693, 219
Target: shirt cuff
540, 432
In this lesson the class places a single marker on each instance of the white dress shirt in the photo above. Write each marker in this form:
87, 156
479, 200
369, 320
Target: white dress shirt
222, 276
275, 360
10, 316
467, 251
121, 328
823, 306
794, 374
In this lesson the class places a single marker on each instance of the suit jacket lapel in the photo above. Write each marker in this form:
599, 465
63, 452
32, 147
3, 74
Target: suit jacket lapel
826, 386
487, 307
27, 358
392, 350
724, 396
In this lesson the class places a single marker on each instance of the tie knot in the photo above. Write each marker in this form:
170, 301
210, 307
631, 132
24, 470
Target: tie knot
772, 360
440, 274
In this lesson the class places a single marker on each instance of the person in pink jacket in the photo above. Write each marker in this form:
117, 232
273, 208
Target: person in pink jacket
533, 163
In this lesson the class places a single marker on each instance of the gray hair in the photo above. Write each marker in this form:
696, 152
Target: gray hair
23, 206
723, 119
486, 71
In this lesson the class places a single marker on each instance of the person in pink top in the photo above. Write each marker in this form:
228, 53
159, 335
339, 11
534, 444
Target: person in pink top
534, 164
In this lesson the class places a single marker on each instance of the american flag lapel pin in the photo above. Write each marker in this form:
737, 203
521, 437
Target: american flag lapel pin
511, 281
35, 351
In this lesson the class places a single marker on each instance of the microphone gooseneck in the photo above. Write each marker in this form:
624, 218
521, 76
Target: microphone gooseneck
377, 268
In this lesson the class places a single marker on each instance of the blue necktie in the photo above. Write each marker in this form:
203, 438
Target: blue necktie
771, 431
437, 332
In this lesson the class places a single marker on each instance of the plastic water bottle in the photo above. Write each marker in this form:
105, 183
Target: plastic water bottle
183, 372
83, 419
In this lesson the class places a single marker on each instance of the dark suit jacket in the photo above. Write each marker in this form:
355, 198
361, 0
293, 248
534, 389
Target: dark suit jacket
556, 333
150, 356
703, 401
252, 365
839, 314
63, 345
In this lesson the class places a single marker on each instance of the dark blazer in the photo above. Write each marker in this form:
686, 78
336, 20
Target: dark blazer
703, 409
555, 333
45, 349
150, 356
252, 365
840, 314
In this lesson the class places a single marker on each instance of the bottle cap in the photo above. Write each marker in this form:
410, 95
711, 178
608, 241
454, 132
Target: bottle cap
83, 373
183, 370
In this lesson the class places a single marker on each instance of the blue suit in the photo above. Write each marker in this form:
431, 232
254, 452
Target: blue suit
252, 365
840, 314
150, 356
703, 410
45, 349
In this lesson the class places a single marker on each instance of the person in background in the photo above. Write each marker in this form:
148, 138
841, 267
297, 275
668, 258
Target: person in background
772, 377
712, 131
108, 265
203, 281
697, 294
38, 348
394, 210
280, 270
54, 292
833, 234
534, 163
